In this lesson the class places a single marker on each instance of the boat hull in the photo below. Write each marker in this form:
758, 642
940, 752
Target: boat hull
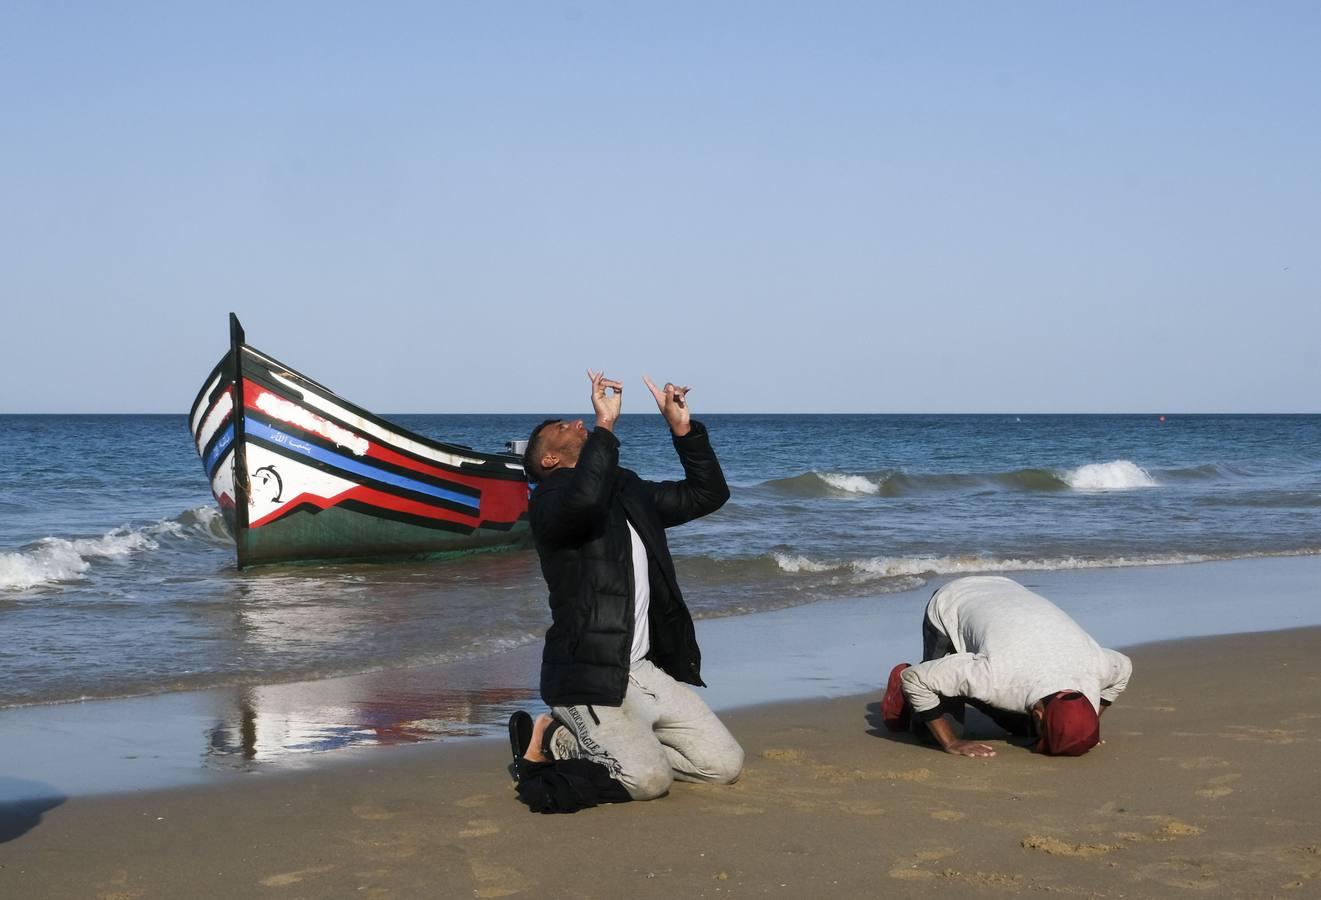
302, 474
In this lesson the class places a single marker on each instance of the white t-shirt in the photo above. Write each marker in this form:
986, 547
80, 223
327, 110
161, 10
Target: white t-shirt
641, 598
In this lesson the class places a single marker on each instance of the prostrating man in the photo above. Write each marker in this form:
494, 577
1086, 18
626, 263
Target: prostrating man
991, 643
621, 649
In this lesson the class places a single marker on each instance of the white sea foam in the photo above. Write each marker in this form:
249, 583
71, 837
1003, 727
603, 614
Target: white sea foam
797, 564
851, 484
901, 566
53, 560
40, 565
1119, 475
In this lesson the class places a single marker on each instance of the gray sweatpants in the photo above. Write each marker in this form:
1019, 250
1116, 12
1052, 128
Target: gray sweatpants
662, 732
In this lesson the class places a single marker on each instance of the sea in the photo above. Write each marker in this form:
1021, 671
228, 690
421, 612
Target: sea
117, 574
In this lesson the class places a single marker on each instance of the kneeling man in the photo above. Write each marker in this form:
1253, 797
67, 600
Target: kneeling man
621, 651
990, 643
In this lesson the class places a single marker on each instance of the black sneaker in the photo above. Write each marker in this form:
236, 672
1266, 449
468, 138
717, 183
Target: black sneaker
520, 734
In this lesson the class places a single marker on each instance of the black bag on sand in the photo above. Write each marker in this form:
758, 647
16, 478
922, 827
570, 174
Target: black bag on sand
567, 785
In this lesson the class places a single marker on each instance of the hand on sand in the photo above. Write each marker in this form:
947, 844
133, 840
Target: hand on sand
673, 404
970, 748
606, 398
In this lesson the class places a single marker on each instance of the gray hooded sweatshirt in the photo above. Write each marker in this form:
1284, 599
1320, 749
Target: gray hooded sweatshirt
1011, 648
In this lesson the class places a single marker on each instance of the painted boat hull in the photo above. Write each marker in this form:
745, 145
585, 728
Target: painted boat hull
302, 474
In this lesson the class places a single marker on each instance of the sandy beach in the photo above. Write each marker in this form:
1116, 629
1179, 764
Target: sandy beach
1208, 785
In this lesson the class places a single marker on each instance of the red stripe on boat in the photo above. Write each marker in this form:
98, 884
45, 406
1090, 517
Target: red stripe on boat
371, 497
501, 500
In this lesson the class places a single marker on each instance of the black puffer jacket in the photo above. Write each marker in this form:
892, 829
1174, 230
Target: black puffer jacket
579, 520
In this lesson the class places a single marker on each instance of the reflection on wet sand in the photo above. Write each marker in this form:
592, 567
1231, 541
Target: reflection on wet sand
284, 724
340, 610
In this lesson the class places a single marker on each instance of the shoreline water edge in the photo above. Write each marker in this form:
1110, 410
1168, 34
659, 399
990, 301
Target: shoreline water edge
829, 649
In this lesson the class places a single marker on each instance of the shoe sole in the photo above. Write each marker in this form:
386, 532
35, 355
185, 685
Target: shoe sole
520, 734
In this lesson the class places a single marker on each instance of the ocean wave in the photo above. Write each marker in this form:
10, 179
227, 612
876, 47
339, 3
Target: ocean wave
884, 567
1265, 500
826, 484
55, 560
1116, 475
1206, 472
201, 522
851, 484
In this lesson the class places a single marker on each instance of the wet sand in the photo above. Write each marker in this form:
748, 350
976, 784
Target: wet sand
1208, 785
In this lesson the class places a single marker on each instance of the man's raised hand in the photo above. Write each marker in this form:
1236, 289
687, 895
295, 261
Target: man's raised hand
673, 404
606, 397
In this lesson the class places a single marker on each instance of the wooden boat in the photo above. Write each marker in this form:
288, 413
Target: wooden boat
302, 474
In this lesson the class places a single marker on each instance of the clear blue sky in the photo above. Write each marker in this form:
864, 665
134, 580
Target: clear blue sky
870, 207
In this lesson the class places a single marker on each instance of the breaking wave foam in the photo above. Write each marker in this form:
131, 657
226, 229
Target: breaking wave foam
904, 567
851, 484
1120, 475
1116, 475
55, 560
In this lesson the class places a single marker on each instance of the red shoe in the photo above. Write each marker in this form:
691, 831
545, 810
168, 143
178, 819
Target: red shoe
896, 711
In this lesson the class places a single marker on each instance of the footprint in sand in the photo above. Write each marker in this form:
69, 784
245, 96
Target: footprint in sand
861, 808
910, 873
1188, 875
371, 812
1169, 830
394, 847
118, 888
1174, 829
1196, 762
781, 755
910, 869
284, 879
479, 828
735, 809
1219, 786
836, 775
1265, 735
1057, 847
473, 801
495, 880
949, 815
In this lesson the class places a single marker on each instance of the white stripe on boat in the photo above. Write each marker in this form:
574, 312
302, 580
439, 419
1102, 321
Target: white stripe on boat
288, 411
286, 479
387, 437
223, 481
201, 406
224, 406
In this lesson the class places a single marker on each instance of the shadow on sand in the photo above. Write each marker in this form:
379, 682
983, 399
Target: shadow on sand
976, 727
22, 804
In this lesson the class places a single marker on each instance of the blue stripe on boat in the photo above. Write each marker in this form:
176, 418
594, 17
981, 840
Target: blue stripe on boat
219, 449
346, 464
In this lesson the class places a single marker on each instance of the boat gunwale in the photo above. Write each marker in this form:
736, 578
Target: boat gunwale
492, 459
